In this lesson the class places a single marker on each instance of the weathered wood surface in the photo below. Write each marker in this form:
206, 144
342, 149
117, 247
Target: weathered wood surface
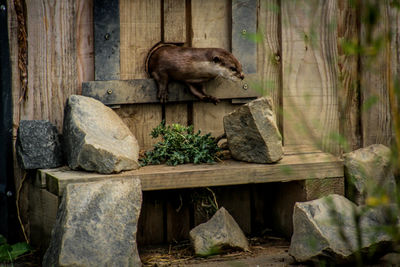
145, 91
348, 90
174, 21
244, 28
140, 29
310, 73
160, 177
211, 27
269, 61
106, 40
175, 31
375, 110
85, 42
52, 69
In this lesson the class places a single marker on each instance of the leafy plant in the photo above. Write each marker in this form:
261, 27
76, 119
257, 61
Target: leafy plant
9, 253
180, 145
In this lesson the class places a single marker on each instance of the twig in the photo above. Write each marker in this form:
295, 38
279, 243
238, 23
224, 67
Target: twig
17, 203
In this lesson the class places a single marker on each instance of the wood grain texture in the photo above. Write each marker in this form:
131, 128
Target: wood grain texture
52, 61
375, 112
145, 91
151, 220
84, 39
160, 177
174, 25
52, 69
310, 73
211, 28
269, 62
348, 90
140, 29
174, 21
177, 215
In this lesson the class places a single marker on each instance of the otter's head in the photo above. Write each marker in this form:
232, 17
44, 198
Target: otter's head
229, 67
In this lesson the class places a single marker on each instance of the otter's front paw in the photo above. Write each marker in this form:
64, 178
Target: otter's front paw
212, 99
162, 95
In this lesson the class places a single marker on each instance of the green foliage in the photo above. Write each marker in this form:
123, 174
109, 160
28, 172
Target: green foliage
180, 145
9, 253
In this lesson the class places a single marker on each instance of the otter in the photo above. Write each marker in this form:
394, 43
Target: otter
192, 67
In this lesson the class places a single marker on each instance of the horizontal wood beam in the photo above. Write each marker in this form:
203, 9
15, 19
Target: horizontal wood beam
116, 92
314, 165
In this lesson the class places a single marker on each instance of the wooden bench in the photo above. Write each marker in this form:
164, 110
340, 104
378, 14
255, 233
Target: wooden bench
307, 173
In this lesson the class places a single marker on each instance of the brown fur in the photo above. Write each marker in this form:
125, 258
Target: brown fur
191, 66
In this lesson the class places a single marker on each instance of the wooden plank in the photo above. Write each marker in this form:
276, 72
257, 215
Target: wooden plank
244, 26
43, 207
140, 27
106, 40
236, 200
298, 191
178, 215
174, 21
375, 112
141, 119
208, 118
150, 226
211, 27
309, 73
176, 113
230, 172
84, 39
348, 76
269, 62
145, 91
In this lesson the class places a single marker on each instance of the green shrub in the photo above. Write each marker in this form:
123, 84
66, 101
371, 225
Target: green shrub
180, 145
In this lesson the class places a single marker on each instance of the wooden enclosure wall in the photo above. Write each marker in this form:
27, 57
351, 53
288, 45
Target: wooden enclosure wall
319, 90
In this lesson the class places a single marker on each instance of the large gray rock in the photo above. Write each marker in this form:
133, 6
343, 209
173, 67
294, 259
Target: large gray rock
96, 225
38, 145
326, 228
96, 139
369, 173
252, 133
219, 233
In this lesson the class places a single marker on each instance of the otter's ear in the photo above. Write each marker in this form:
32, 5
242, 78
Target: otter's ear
216, 59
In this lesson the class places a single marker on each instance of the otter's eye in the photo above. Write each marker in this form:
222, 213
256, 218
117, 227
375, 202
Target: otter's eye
233, 69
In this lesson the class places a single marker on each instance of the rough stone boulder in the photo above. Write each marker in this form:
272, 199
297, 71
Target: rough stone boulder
38, 145
369, 173
252, 133
96, 225
221, 232
325, 229
96, 139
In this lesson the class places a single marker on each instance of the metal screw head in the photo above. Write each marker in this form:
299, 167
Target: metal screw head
9, 194
245, 86
107, 36
109, 91
2, 7
244, 31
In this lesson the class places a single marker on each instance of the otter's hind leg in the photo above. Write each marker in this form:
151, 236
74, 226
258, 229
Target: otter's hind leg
162, 83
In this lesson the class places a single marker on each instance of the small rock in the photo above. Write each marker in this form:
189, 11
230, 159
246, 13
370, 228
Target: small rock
252, 132
38, 145
219, 233
369, 173
96, 225
96, 139
325, 228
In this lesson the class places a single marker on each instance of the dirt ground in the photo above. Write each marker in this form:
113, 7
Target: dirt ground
265, 251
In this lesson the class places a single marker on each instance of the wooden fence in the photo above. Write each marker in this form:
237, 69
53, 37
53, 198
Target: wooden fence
321, 92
